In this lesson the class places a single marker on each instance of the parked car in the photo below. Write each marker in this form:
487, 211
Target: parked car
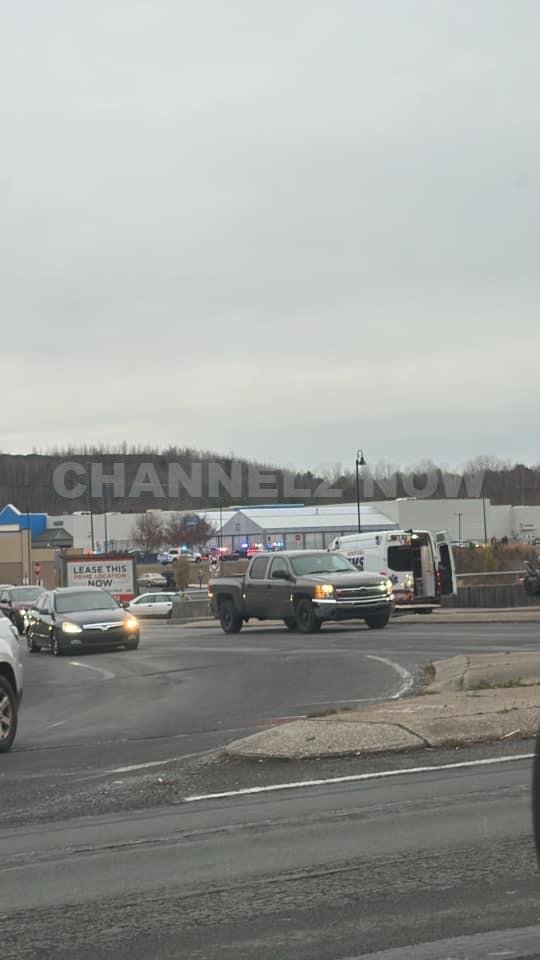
152, 580
16, 601
303, 588
73, 617
152, 604
11, 682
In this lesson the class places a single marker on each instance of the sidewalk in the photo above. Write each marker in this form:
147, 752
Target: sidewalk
472, 615
463, 704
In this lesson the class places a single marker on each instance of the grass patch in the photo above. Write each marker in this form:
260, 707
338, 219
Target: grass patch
429, 673
327, 712
504, 685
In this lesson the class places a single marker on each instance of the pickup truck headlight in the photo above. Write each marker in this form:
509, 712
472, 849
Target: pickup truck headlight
131, 623
69, 627
323, 591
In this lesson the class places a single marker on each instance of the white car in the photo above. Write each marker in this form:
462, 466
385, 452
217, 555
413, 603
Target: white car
152, 605
168, 556
11, 682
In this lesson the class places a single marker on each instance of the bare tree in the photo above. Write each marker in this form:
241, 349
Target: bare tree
147, 533
174, 530
189, 531
181, 573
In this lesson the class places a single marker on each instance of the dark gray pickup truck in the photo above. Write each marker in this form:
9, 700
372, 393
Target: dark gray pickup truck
302, 588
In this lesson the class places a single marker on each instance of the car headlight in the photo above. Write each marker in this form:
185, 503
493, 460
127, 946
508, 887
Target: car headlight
69, 627
131, 623
323, 591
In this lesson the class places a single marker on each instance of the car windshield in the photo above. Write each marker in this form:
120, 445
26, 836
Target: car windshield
23, 594
321, 563
85, 600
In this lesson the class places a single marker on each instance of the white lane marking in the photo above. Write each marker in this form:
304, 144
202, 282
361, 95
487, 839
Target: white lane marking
57, 724
142, 766
407, 678
105, 673
357, 777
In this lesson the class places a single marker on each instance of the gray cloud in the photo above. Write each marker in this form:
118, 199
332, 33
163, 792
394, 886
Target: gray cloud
285, 230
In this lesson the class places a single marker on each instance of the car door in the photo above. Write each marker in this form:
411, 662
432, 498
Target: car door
47, 617
143, 606
447, 569
278, 589
41, 628
35, 621
255, 584
162, 605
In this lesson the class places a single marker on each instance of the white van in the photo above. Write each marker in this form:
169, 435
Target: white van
420, 564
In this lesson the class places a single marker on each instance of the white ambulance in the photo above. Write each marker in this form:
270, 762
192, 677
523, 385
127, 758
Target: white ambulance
420, 564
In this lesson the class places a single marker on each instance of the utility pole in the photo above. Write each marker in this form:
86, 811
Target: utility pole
459, 516
29, 544
359, 462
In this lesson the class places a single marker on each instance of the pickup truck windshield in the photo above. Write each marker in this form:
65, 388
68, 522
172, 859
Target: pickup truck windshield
321, 563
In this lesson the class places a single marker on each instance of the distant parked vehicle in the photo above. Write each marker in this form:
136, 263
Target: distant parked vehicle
152, 604
152, 580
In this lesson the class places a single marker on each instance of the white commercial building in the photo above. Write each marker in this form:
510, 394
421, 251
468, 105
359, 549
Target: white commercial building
312, 526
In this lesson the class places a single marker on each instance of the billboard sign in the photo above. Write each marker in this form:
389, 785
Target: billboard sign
116, 575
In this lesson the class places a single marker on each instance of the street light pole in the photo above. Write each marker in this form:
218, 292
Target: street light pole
359, 462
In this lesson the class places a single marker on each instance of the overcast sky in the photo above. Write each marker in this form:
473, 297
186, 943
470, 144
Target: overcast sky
285, 229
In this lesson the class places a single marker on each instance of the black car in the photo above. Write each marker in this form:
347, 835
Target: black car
71, 618
16, 601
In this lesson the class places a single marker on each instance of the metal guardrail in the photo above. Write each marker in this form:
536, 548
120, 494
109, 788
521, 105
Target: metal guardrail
492, 573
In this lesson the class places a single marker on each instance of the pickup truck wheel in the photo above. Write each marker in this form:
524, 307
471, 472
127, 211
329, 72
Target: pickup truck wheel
376, 621
8, 715
306, 621
290, 623
230, 619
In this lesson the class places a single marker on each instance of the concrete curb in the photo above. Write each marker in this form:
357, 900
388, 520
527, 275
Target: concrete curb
452, 713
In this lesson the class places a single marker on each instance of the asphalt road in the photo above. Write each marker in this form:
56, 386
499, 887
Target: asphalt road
102, 856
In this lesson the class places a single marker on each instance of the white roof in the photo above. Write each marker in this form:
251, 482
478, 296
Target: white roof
325, 517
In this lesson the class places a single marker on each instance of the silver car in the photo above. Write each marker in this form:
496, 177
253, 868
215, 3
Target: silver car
11, 682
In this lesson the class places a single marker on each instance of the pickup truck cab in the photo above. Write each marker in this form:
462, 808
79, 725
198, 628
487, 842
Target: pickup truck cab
303, 588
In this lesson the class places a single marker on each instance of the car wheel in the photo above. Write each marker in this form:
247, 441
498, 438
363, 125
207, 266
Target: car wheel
376, 621
132, 645
32, 645
230, 619
8, 715
306, 621
290, 623
56, 650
